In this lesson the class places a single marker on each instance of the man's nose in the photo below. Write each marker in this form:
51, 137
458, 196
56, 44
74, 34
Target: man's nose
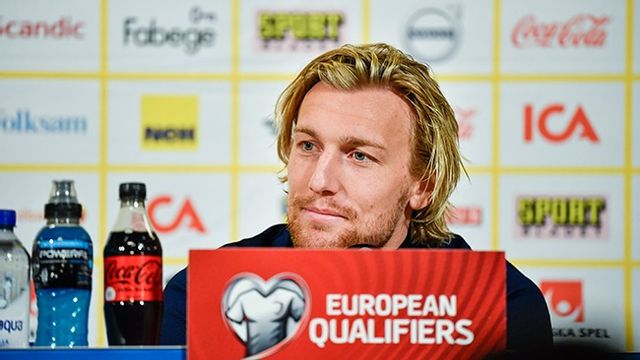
325, 177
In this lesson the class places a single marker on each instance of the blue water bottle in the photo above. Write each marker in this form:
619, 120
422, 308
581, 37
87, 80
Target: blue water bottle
62, 263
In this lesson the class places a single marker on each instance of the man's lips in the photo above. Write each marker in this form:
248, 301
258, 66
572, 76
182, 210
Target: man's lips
323, 212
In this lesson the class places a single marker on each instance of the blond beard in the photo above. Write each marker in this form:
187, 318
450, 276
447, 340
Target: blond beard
381, 228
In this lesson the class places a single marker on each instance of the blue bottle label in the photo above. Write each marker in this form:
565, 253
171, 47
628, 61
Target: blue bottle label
63, 264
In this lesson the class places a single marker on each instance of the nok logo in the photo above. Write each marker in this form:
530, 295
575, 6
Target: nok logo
169, 122
564, 298
564, 127
465, 117
181, 214
265, 314
63, 28
433, 34
191, 39
299, 31
563, 216
580, 31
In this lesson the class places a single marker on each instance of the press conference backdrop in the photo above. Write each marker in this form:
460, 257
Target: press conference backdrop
180, 95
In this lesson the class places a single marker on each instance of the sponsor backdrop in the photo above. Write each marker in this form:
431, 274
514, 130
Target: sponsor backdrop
180, 95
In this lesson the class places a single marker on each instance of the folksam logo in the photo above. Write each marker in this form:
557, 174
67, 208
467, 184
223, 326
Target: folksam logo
23, 121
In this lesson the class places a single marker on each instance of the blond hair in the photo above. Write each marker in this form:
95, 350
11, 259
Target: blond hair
435, 157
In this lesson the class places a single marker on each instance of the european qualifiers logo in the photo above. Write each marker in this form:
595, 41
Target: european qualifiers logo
64, 28
23, 121
550, 123
566, 304
290, 31
579, 31
191, 40
566, 217
433, 34
264, 315
169, 123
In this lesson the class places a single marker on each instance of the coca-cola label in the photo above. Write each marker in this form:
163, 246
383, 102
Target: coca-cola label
133, 278
582, 30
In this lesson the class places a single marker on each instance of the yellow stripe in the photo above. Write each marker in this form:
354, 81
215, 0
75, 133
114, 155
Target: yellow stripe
366, 26
103, 170
174, 260
171, 76
565, 78
568, 170
587, 263
235, 120
49, 75
495, 168
171, 168
466, 77
628, 124
49, 167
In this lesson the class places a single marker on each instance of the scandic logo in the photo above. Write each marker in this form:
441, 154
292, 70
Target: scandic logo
63, 28
169, 122
582, 30
578, 123
285, 30
464, 215
23, 121
465, 117
564, 298
558, 216
185, 216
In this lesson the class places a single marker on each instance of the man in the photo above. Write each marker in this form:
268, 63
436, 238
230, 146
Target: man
371, 151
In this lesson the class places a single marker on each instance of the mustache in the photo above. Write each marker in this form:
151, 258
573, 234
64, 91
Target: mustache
299, 202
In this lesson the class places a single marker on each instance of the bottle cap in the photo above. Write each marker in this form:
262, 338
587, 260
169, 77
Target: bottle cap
7, 217
133, 191
63, 201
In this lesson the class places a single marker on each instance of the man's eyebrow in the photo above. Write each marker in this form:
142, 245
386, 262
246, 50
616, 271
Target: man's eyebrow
307, 131
358, 142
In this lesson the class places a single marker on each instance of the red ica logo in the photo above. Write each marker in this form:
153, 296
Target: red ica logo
564, 299
583, 30
186, 213
465, 121
578, 123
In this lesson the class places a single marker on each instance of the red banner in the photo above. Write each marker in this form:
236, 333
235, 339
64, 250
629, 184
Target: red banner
350, 304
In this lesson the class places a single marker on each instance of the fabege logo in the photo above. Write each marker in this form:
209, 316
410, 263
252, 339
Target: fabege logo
433, 34
299, 31
465, 117
582, 30
265, 314
169, 122
63, 28
186, 215
191, 39
564, 298
577, 125
562, 216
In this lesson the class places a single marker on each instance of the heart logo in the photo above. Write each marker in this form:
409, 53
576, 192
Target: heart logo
265, 314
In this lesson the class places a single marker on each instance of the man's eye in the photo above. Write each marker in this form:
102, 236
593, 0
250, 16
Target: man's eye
307, 146
358, 156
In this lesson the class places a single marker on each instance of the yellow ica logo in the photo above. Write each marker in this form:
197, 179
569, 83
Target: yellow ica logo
169, 122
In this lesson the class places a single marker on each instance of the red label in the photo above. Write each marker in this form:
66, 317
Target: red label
133, 278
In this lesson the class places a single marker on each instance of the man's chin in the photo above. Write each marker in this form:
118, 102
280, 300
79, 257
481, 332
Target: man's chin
318, 238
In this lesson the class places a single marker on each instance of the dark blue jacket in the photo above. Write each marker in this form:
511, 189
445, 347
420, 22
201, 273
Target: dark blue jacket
528, 323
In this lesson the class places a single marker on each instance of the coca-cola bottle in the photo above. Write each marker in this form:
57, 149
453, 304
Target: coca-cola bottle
133, 273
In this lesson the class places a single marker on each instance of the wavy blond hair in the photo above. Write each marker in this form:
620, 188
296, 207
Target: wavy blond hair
435, 157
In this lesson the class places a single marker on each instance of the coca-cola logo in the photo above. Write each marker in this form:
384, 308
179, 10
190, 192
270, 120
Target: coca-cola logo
582, 30
148, 273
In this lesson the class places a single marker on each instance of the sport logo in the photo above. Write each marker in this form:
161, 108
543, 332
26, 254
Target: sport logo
186, 215
433, 34
570, 217
578, 124
169, 122
191, 39
564, 298
265, 314
583, 30
299, 31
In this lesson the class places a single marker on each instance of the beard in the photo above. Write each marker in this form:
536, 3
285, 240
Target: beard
374, 232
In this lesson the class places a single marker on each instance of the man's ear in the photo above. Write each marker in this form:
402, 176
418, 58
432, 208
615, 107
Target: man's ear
421, 193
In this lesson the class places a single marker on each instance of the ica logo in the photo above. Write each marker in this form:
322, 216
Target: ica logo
548, 123
185, 215
564, 297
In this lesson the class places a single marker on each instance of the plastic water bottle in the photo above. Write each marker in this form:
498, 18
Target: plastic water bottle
62, 265
14, 285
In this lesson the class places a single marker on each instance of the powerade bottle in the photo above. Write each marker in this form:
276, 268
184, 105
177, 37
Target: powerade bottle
62, 265
14, 285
